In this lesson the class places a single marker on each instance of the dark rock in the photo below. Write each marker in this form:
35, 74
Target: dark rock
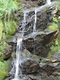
56, 55
29, 67
41, 2
7, 52
40, 44
30, 3
49, 69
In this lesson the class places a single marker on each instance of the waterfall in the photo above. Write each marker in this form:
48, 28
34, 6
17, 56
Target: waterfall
48, 1
18, 58
36, 10
18, 50
34, 26
23, 22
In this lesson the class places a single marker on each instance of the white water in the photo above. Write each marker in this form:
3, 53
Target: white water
18, 59
18, 50
35, 21
48, 1
24, 21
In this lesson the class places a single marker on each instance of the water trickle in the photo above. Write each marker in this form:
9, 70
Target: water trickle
25, 14
48, 1
18, 50
18, 59
34, 27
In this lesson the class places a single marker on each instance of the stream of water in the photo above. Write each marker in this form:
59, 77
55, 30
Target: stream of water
18, 50
18, 59
36, 10
48, 1
35, 21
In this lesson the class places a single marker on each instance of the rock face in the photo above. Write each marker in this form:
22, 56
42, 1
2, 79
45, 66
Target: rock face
42, 22
33, 3
45, 69
7, 52
30, 66
40, 44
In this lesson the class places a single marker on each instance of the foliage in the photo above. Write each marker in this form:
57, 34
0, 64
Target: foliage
7, 7
10, 28
4, 68
53, 26
54, 48
4, 65
3, 44
1, 29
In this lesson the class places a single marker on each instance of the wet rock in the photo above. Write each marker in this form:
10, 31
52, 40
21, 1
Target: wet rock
40, 44
44, 76
42, 22
7, 52
30, 3
49, 69
41, 2
54, 77
56, 55
8, 77
29, 67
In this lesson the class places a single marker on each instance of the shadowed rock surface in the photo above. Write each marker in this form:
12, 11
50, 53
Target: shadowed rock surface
40, 44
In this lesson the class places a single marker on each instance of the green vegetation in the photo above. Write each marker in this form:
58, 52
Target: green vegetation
7, 28
54, 48
4, 68
56, 44
7, 8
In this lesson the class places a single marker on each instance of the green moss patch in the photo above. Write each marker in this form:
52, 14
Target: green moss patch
4, 67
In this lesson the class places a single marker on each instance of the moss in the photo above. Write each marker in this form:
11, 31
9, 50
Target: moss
3, 44
4, 67
10, 28
53, 26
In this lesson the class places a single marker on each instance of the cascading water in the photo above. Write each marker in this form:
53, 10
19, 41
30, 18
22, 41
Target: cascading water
18, 50
48, 1
18, 58
36, 10
34, 27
